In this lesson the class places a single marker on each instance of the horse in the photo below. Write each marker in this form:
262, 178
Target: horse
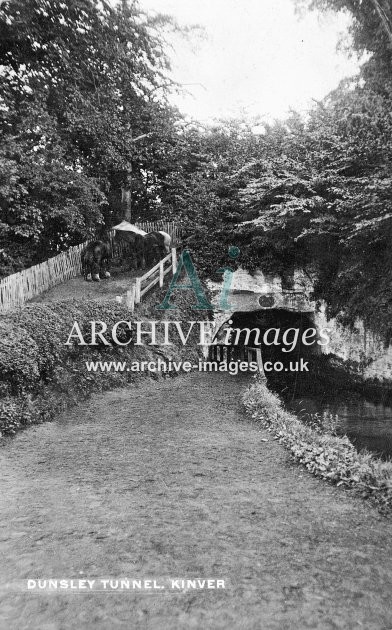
164, 240
134, 243
145, 247
96, 260
156, 246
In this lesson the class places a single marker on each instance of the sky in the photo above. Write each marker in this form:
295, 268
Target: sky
257, 57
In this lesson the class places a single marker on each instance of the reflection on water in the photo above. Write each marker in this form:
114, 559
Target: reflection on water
367, 424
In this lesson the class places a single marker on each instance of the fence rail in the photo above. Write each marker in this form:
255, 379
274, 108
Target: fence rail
20, 287
223, 353
155, 275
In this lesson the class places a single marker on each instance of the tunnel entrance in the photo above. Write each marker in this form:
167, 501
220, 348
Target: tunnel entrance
289, 342
321, 393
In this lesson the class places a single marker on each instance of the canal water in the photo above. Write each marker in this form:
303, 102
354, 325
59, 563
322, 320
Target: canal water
367, 424
323, 387
366, 419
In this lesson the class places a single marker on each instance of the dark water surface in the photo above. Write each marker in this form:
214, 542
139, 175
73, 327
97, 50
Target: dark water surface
367, 424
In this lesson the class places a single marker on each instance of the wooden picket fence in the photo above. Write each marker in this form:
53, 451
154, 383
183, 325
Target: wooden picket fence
171, 227
20, 287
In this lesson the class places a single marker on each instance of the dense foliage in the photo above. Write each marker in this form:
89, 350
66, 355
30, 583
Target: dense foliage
83, 118
40, 375
370, 32
311, 192
85, 127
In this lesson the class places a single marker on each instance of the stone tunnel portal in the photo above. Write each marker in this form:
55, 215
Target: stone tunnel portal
284, 337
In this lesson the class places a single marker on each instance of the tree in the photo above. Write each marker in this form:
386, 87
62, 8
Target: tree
309, 193
370, 30
80, 81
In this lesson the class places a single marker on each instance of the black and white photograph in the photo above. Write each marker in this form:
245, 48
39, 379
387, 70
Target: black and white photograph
195, 314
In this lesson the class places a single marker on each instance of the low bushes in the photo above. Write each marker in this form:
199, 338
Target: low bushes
320, 450
40, 375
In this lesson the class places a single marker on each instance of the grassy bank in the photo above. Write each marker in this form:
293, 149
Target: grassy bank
320, 450
40, 375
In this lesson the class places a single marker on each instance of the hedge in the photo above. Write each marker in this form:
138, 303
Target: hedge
40, 375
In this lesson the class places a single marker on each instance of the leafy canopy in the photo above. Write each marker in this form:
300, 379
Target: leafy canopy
81, 80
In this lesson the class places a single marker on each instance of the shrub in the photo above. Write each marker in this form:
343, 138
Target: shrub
40, 375
34, 338
323, 453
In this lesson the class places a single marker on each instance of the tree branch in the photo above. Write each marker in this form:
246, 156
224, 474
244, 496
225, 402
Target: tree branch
384, 19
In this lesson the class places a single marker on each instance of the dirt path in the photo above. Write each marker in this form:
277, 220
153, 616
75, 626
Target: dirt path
78, 288
170, 480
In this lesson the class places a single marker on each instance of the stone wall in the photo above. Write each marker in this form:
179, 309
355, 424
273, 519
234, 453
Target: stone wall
362, 350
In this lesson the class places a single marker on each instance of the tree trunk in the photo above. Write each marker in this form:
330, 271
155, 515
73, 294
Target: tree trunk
126, 202
126, 196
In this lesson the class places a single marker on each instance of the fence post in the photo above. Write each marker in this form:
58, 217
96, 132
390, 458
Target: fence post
174, 260
30, 282
161, 276
138, 288
130, 298
259, 360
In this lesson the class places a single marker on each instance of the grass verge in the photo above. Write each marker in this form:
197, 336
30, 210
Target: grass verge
326, 455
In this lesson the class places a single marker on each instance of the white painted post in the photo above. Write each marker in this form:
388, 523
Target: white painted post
174, 260
138, 288
260, 362
161, 276
130, 298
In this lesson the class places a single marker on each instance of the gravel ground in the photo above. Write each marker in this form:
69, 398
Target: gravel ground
78, 288
169, 479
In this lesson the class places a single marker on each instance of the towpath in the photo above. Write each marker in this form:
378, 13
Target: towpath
170, 480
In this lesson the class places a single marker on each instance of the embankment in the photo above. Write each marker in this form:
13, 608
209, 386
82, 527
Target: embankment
40, 375
321, 451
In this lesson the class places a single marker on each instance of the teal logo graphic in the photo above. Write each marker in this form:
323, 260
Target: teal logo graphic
185, 264
228, 273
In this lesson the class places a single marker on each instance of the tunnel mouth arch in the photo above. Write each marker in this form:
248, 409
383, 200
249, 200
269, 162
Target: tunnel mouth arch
268, 319
279, 333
